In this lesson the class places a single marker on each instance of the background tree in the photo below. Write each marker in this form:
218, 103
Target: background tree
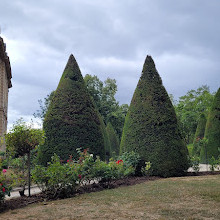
189, 108
150, 127
72, 121
113, 138
21, 139
103, 94
40, 113
212, 131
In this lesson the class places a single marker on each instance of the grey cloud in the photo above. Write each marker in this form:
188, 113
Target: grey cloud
110, 39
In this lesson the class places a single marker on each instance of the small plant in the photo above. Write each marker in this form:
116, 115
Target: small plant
146, 170
195, 161
213, 164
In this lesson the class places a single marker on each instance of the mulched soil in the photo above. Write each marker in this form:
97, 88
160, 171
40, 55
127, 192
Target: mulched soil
21, 202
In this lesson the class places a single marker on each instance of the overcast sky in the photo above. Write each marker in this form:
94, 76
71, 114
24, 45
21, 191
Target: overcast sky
109, 38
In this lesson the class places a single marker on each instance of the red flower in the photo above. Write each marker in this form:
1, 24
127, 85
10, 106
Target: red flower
3, 189
68, 161
119, 161
80, 176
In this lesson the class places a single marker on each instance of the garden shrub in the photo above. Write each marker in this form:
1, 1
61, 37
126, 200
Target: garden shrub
212, 131
213, 164
133, 159
72, 119
60, 180
57, 180
195, 161
151, 128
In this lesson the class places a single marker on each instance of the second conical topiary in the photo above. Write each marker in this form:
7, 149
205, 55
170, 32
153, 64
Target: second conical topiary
151, 128
212, 132
114, 140
199, 135
72, 120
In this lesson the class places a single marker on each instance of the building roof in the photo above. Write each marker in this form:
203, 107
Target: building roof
4, 57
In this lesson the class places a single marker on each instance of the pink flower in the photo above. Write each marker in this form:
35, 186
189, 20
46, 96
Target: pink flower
68, 161
4, 170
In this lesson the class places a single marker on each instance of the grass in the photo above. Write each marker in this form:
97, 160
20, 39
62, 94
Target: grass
172, 198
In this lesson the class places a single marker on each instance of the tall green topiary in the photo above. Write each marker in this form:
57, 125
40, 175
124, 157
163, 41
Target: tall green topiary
151, 127
113, 138
72, 120
212, 131
200, 133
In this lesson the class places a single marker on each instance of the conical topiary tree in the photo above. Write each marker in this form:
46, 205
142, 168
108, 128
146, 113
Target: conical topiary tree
113, 138
151, 127
212, 131
72, 120
200, 133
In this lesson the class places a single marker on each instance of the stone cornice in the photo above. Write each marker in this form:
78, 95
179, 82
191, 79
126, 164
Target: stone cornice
4, 57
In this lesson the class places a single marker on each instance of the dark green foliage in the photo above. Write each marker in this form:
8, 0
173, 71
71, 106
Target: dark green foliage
212, 131
106, 139
114, 141
150, 127
72, 120
200, 132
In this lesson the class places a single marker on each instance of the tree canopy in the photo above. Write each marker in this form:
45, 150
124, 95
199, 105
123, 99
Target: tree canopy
103, 94
189, 108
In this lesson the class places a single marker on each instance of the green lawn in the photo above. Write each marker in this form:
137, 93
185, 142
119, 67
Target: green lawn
172, 198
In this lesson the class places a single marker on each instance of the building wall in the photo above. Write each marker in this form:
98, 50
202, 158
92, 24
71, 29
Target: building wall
3, 101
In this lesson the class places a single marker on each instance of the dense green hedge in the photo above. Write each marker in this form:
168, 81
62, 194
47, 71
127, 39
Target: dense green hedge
72, 120
151, 126
200, 133
212, 131
114, 140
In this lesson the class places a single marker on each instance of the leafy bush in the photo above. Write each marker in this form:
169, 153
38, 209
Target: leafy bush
130, 158
57, 180
195, 160
213, 163
133, 159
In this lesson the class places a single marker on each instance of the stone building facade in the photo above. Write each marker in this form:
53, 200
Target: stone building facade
5, 84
